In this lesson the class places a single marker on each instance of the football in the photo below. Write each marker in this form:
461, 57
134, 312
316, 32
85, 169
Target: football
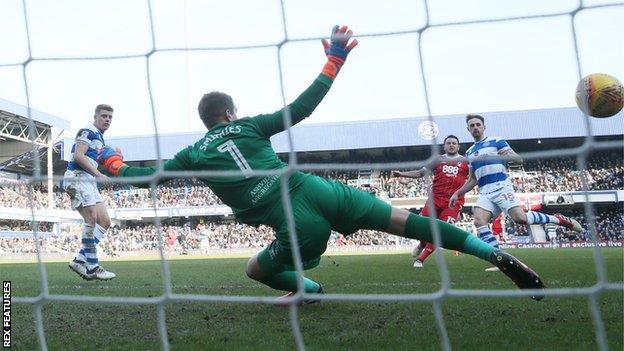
600, 95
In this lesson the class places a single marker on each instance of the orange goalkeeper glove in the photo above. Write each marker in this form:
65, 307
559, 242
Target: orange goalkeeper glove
337, 50
111, 159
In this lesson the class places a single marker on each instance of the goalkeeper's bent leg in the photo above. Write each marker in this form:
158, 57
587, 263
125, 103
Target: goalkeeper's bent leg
278, 278
287, 281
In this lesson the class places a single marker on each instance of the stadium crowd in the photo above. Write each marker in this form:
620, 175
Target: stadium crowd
17, 195
539, 176
205, 237
179, 239
605, 171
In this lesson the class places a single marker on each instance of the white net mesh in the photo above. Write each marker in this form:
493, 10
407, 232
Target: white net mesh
150, 39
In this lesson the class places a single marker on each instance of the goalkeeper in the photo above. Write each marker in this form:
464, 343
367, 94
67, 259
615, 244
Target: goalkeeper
319, 205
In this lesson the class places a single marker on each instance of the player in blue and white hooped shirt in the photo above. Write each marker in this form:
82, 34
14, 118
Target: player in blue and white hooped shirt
551, 232
487, 157
79, 183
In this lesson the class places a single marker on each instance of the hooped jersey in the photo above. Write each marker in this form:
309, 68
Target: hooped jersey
91, 136
488, 171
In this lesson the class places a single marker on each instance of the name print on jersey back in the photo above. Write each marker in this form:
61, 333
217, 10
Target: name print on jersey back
212, 137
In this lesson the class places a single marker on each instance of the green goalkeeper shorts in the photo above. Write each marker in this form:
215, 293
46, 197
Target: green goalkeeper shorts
320, 206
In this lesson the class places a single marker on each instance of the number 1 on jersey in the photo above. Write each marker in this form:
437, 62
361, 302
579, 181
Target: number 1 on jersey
230, 147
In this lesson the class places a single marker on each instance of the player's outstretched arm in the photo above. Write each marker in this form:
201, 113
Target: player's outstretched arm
336, 50
112, 161
419, 173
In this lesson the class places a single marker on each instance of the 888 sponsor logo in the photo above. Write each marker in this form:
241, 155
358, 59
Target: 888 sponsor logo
450, 170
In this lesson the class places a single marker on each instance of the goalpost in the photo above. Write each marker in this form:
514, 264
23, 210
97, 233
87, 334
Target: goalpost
581, 153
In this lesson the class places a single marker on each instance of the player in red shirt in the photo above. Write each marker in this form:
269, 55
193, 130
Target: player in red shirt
450, 172
497, 226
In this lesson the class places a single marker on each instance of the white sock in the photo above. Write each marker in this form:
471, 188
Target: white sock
99, 233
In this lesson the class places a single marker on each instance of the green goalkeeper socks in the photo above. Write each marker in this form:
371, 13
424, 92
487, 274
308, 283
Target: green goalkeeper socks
287, 281
418, 227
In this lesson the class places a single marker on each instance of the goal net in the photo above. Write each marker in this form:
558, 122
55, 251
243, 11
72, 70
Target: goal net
138, 43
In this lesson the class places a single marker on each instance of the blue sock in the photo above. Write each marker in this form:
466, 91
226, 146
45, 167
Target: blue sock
81, 254
88, 246
486, 235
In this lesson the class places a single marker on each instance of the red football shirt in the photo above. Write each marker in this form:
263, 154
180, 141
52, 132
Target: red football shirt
497, 225
449, 174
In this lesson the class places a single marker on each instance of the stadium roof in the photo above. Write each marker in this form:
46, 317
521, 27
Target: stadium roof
37, 116
400, 132
20, 144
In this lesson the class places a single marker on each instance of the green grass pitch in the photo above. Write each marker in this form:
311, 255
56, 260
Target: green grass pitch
483, 323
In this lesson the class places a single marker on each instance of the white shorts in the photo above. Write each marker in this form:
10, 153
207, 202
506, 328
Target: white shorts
497, 197
204, 245
82, 189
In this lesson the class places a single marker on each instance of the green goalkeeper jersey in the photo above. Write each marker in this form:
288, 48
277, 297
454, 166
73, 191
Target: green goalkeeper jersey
244, 145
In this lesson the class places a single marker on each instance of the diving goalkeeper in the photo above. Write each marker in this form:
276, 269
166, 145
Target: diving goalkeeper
319, 205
